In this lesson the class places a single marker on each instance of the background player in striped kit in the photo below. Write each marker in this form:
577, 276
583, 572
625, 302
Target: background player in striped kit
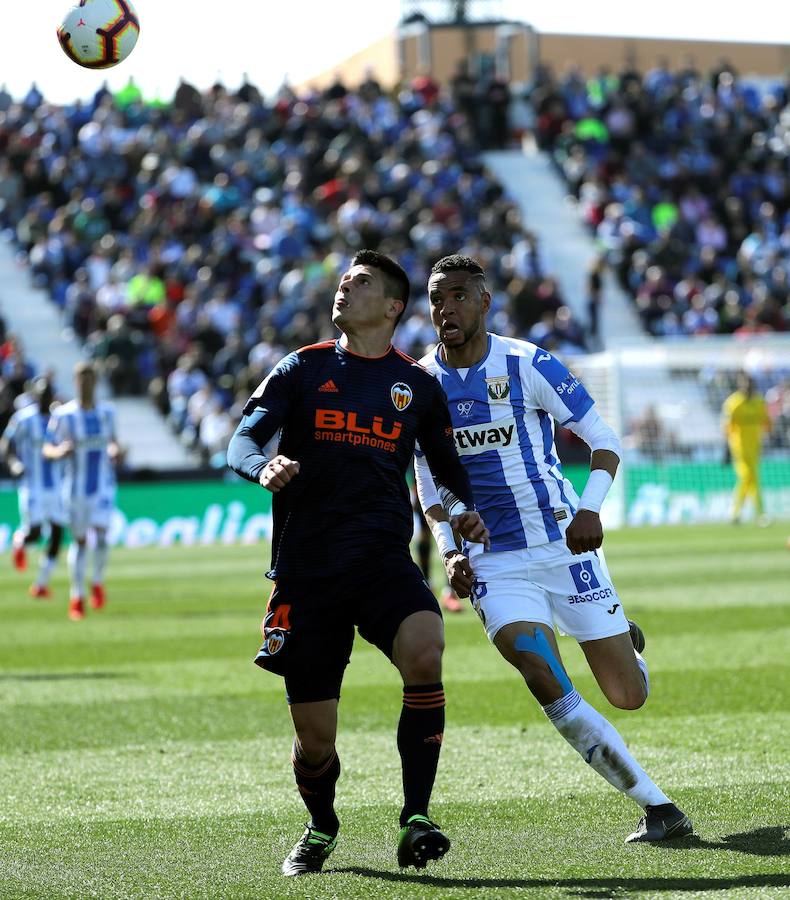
542, 567
82, 432
39, 490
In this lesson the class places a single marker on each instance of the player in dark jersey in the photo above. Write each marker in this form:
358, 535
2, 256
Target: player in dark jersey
349, 413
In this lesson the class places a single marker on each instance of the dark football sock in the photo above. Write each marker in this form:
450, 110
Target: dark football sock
420, 733
317, 788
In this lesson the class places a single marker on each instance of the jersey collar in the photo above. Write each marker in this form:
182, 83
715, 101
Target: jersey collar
343, 349
471, 371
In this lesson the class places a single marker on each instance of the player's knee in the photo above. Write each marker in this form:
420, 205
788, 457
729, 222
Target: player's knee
627, 695
423, 663
315, 744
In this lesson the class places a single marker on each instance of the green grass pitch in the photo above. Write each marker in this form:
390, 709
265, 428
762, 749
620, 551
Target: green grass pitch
143, 755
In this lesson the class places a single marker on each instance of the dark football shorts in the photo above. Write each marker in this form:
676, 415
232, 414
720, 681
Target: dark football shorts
308, 627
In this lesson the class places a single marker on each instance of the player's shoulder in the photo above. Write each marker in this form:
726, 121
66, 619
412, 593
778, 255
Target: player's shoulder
507, 355
69, 408
508, 346
305, 358
413, 368
735, 399
25, 413
314, 351
430, 362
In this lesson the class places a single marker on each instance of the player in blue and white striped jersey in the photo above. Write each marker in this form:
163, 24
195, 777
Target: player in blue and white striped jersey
39, 489
544, 566
82, 432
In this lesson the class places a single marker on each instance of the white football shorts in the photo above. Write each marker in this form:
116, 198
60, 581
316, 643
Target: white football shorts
38, 507
90, 512
547, 584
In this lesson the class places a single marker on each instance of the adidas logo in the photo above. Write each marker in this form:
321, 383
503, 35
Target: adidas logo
328, 387
434, 739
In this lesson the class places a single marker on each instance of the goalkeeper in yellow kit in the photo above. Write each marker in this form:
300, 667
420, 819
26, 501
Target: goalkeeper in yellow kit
746, 420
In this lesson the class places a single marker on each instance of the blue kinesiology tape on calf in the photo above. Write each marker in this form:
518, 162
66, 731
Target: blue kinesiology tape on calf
539, 645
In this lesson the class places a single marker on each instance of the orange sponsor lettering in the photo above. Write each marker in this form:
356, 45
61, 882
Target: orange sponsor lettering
337, 420
351, 424
329, 418
378, 429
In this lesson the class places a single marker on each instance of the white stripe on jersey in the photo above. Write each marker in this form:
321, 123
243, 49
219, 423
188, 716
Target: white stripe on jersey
27, 430
89, 471
502, 411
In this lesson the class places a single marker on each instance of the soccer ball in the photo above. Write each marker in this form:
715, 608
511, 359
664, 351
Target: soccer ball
98, 34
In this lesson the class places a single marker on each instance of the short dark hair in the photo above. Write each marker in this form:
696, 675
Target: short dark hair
396, 281
43, 390
85, 367
455, 262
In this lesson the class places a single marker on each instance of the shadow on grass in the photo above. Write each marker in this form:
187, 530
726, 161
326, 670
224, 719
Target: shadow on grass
579, 887
772, 841
65, 676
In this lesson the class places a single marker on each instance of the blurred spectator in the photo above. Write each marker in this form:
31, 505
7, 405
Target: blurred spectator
214, 432
117, 348
685, 176
650, 438
216, 227
594, 293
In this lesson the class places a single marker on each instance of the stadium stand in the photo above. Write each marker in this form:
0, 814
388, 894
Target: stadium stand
682, 178
188, 246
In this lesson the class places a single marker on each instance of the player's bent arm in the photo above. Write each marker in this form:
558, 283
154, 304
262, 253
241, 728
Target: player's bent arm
456, 564
605, 458
436, 441
467, 523
57, 451
15, 465
585, 532
245, 450
264, 414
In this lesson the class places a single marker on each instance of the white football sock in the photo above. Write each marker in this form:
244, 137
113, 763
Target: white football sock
45, 567
599, 744
100, 553
78, 557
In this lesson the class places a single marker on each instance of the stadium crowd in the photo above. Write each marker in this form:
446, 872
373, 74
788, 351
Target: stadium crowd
683, 178
16, 370
189, 245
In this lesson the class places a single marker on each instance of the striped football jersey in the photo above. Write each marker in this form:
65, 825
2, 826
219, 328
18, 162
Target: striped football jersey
88, 470
503, 410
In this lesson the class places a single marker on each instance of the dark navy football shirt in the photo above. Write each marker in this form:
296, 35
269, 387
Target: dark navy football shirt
351, 422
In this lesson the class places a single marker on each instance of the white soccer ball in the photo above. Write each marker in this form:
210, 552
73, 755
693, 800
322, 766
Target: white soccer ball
98, 34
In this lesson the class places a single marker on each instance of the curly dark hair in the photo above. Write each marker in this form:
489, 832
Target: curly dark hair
455, 262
